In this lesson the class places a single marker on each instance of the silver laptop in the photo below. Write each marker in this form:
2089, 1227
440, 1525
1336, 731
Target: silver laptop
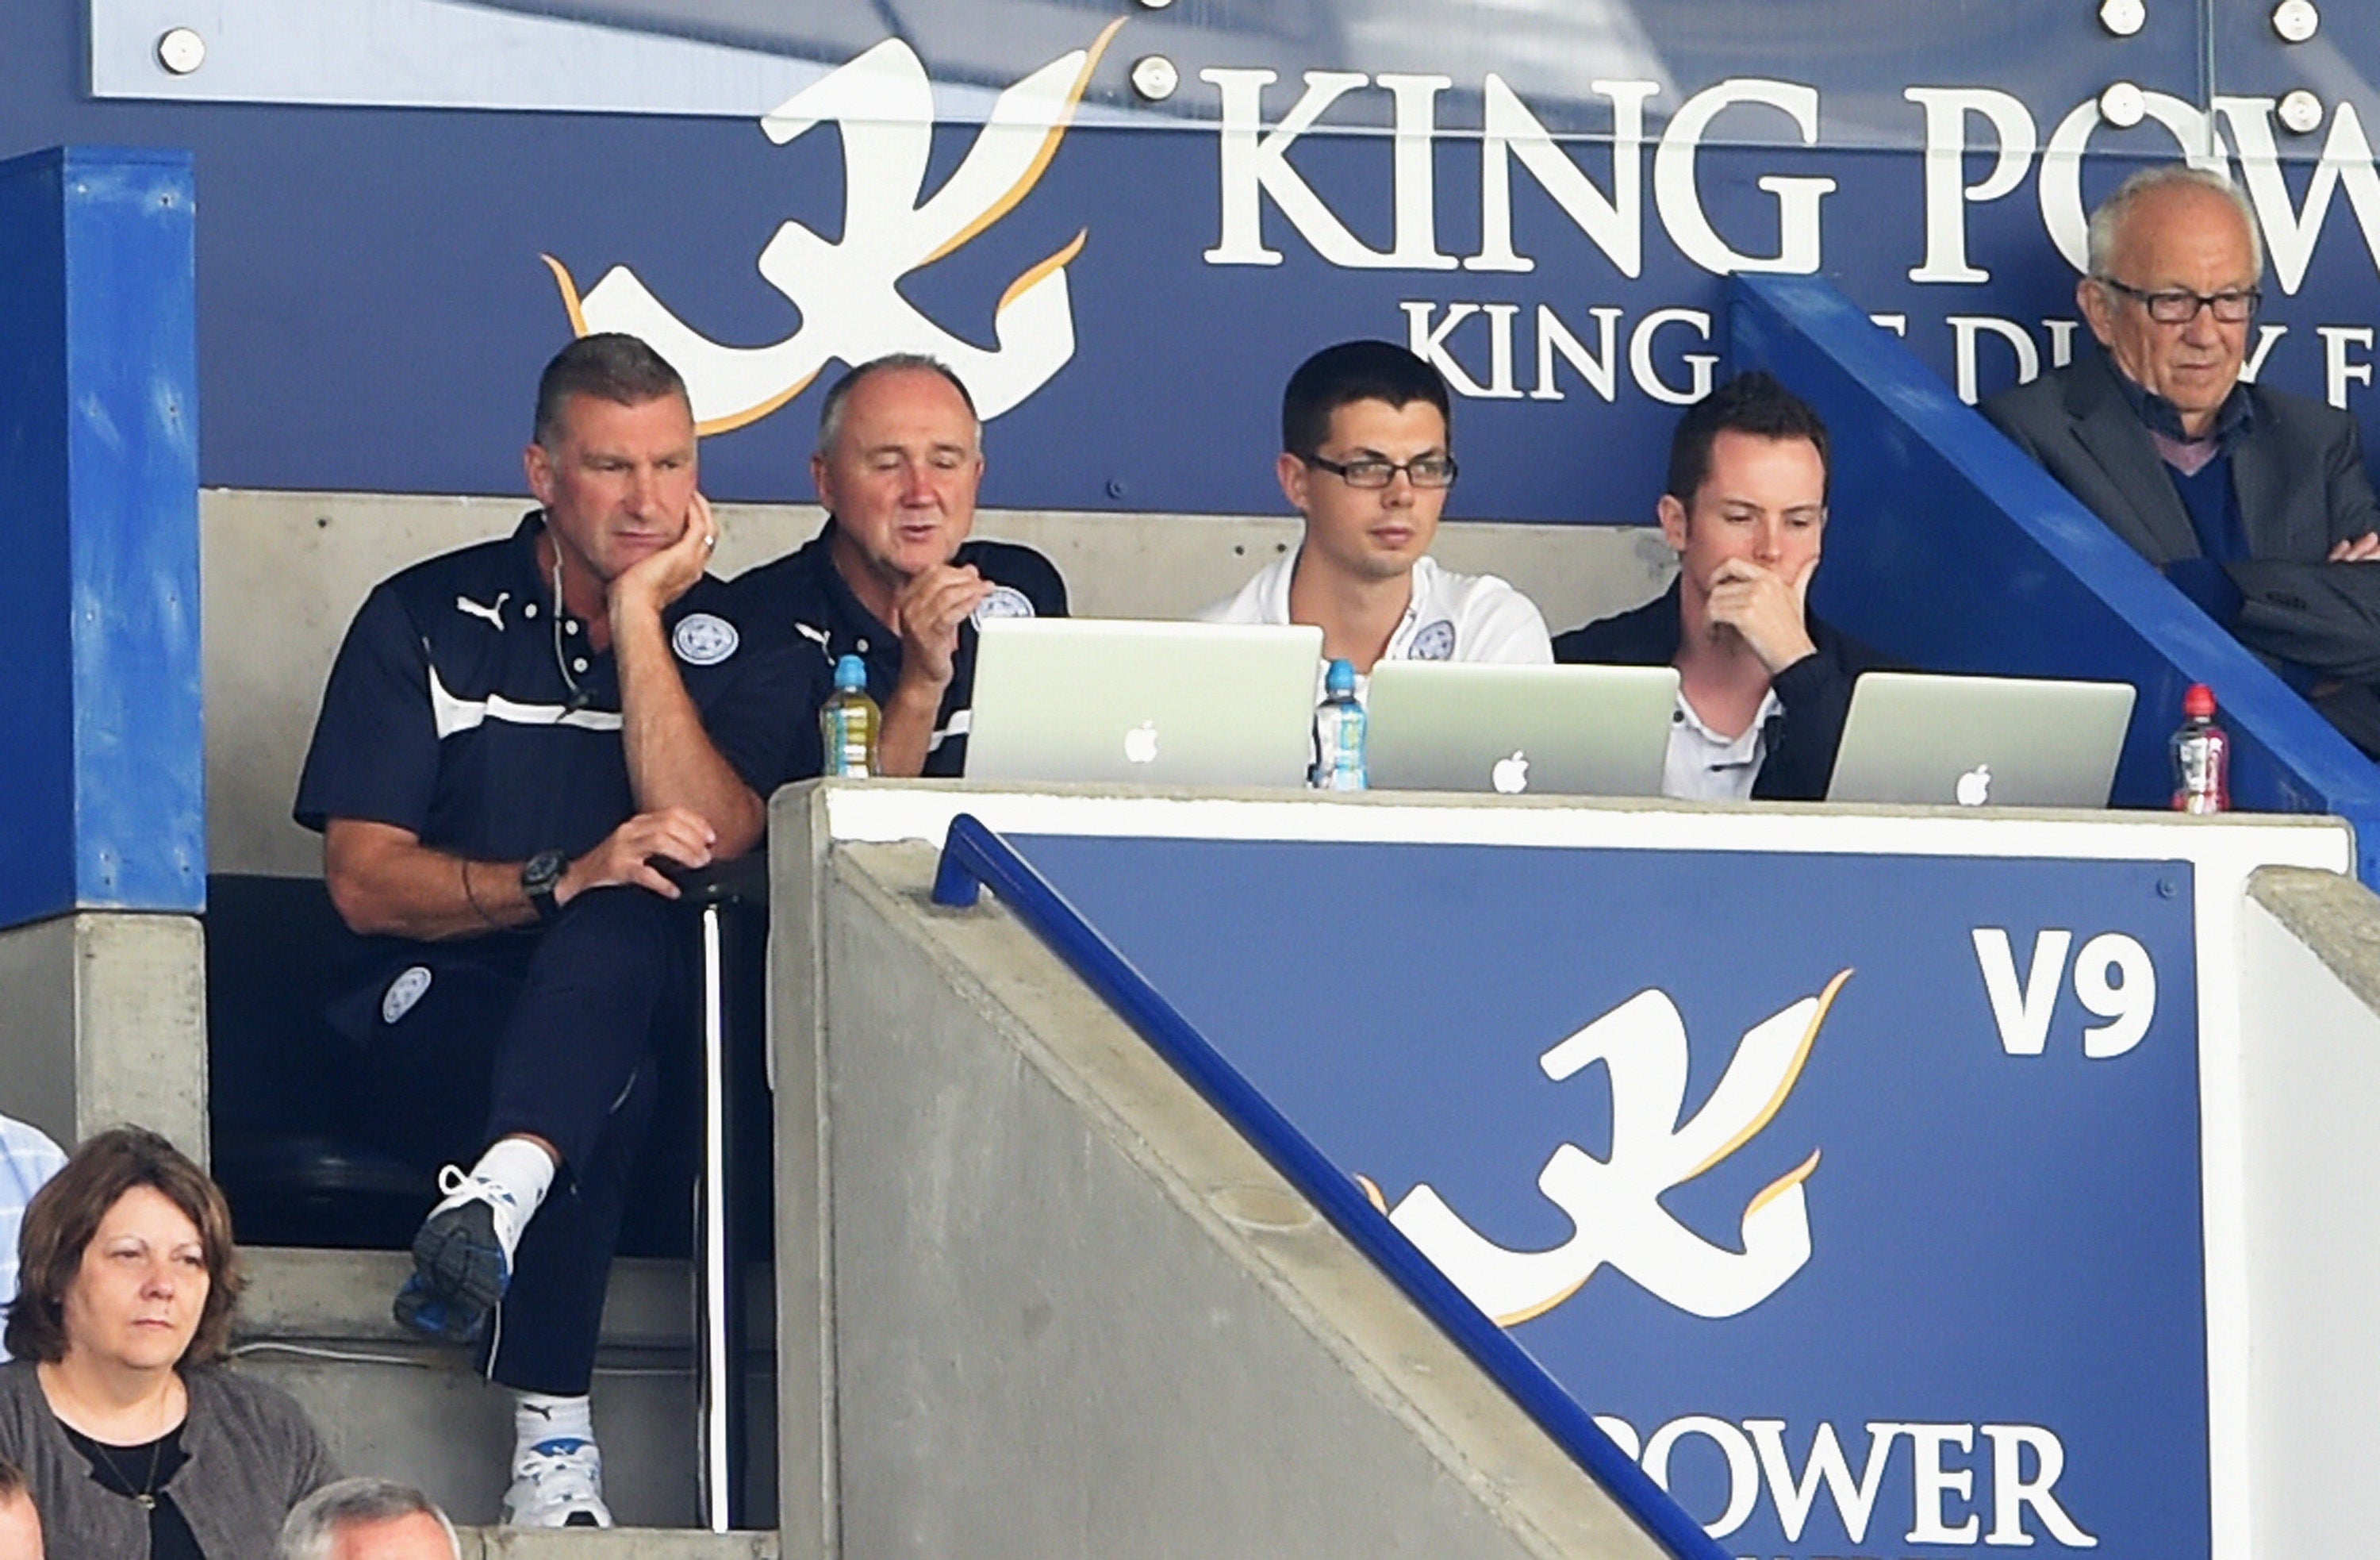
1144, 704
1443, 725
1920, 738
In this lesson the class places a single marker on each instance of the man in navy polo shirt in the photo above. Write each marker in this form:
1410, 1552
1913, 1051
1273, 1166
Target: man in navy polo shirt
892, 579
515, 738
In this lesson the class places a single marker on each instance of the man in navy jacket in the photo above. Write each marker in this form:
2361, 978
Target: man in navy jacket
1763, 684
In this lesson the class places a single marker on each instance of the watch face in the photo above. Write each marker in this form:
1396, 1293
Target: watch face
542, 871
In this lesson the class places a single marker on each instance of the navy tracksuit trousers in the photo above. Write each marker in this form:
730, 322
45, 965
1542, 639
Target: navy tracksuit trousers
559, 1031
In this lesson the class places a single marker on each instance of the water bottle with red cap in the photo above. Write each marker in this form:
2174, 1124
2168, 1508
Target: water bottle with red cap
2202, 756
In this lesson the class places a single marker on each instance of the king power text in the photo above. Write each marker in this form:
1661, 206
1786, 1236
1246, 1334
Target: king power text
1606, 188
1991, 1485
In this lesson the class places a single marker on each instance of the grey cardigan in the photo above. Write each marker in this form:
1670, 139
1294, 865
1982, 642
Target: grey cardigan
254, 1453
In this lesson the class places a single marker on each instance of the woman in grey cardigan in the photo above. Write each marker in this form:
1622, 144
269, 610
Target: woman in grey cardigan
134, 1440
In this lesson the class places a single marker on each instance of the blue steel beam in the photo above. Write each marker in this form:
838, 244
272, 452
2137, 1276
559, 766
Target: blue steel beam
1949, 549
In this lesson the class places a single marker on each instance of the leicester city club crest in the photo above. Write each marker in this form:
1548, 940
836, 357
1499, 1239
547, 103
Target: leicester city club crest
702, 639
1435, 643
1005, 601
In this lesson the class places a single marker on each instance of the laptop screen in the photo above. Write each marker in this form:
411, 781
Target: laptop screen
1935, 739
1441, 725
1142, 702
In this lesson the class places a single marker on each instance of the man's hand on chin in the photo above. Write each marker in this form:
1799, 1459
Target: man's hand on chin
1764, 610
654, 581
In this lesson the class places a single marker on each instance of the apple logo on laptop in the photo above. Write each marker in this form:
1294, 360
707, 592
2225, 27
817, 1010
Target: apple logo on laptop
1976, 786
1510, 777
1141, 743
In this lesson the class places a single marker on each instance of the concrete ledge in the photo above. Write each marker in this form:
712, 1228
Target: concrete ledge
2336, 917
2309, 1061
334, 1297
644, 1543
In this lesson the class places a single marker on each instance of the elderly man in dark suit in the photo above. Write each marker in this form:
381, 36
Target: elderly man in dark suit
2255, 502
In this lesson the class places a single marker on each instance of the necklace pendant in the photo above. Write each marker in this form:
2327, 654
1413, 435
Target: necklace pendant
145, 1501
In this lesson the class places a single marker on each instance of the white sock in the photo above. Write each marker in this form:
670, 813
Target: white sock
521, 1168
539, 1417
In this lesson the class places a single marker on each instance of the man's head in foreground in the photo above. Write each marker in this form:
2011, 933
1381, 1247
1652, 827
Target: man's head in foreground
367, 1519
1366, 457
612, 456
899, 458
2171, 293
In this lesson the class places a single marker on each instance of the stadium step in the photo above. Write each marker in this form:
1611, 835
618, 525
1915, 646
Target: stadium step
644, 1543
317, 1324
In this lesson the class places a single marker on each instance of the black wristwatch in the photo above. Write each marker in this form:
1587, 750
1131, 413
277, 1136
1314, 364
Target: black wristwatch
540, 876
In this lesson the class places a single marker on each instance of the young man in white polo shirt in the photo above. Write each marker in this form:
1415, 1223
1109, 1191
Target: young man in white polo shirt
1366, 457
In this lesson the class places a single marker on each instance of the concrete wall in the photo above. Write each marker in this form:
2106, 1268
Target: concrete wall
102, 1019
1071, 1312
284, 572
2310, 1000
644, 1543
516, 1543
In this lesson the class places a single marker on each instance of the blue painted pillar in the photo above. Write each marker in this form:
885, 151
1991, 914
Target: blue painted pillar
102, 800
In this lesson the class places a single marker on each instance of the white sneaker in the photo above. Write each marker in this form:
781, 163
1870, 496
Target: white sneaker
462, 1256
557, 1483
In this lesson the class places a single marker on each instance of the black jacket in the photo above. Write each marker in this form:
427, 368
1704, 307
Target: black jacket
1799, 760
2297, 471
2298, 465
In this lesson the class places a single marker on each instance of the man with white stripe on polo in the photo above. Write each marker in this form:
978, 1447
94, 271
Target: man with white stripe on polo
514, 735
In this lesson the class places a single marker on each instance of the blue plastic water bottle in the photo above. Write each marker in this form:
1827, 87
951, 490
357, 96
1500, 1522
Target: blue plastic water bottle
1339, 733
848, 722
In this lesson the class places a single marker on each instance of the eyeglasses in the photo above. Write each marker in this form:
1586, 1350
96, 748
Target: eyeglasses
2181, 306
1422, 470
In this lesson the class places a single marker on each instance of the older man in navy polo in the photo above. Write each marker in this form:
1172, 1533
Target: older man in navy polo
895, 579
516, 737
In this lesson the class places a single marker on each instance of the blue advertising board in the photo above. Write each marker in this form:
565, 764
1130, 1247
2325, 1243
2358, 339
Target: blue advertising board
1859, 1197
411, 203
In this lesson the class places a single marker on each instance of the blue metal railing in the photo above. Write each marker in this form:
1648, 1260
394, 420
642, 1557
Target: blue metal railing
973, 856
1949, 549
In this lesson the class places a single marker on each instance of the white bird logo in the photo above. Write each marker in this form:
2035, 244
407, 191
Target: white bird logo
848, 291
1615, 1205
